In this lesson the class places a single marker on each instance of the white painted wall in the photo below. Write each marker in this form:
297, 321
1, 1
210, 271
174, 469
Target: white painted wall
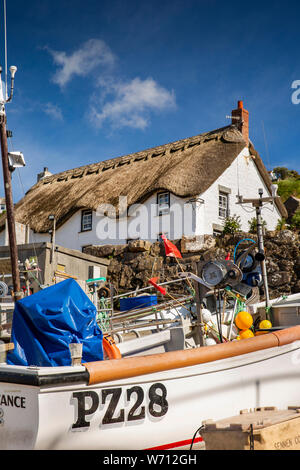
187, 218
243, 178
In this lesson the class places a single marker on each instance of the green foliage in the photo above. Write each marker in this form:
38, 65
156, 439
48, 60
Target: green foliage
253, 225
288, 187
295, 222
232, 224
281, 225
283, 173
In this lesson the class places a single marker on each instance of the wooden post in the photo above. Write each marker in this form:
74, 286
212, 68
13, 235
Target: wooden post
17, 294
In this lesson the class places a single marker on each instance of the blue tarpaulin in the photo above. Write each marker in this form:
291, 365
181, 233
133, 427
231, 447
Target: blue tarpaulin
45, 323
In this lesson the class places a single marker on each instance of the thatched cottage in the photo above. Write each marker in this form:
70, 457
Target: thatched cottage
181, 188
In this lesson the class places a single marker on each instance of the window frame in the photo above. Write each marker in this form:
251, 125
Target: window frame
84, 213
223, 207
159, 212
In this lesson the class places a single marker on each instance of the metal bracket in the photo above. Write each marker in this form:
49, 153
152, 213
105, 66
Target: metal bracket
194, 277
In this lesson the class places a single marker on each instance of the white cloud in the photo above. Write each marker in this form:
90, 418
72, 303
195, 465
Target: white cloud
130, 103
54, 111
120, 103
91, 54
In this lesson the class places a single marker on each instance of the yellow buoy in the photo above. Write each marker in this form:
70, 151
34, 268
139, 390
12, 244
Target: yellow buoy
246, 334
264, 324
243, 320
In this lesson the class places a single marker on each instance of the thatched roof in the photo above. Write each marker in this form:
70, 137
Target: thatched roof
186, 168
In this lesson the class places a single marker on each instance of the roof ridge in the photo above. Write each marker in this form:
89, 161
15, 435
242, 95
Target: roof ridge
94, 167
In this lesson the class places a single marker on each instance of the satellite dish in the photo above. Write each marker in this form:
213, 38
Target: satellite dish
16, 160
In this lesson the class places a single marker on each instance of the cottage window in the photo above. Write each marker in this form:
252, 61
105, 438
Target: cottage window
223, 205
163, 203
86, 220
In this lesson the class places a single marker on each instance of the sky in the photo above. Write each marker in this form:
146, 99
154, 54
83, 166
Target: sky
101, 79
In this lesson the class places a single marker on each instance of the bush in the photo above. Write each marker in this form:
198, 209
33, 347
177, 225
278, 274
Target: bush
288, 187
281, 225
253, 225
232, 224
295, 221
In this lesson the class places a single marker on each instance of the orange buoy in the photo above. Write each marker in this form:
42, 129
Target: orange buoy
243, 320
110, 348
246, 334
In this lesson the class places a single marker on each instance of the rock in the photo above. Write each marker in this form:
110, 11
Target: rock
197, 243
103, 251
136, 246
157, 249
126, 276
285, 236
139, 260
271, 266
279, 278
285, 265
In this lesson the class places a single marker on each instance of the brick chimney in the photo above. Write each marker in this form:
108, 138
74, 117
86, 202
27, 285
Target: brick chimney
240, 117
43, 174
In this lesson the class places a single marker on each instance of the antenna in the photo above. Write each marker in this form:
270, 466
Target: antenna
5, 49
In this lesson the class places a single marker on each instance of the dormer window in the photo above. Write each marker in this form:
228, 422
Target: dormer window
86, 220
163, 203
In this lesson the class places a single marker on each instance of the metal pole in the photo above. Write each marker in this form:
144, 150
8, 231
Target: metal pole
262, 251
17, 294
198, 301
53, 240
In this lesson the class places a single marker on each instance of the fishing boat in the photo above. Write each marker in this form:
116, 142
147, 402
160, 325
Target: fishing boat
141, 397
148, 401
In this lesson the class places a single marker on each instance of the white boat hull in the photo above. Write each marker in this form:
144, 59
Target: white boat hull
161, 410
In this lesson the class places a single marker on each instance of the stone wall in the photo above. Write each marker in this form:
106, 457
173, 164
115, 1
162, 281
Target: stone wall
133, 264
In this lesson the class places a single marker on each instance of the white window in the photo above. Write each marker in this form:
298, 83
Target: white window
163, 203
223, 205
86, 220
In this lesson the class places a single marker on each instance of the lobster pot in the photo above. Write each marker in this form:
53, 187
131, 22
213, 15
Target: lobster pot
259, 429
6, 317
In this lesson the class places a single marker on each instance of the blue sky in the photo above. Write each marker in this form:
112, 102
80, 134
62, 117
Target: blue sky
100, 79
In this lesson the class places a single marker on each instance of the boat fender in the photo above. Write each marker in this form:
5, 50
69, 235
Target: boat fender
110, 348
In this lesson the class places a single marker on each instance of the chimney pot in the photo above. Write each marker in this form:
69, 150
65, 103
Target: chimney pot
240, 105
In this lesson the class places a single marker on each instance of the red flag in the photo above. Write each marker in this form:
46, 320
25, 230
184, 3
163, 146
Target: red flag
153, 281
171, 250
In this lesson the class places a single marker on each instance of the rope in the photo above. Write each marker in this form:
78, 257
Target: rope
194, 436
33, 236
243, 240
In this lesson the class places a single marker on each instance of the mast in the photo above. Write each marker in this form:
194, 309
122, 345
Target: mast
257, 203
17, 294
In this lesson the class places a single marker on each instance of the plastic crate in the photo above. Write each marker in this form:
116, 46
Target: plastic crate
137, 302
